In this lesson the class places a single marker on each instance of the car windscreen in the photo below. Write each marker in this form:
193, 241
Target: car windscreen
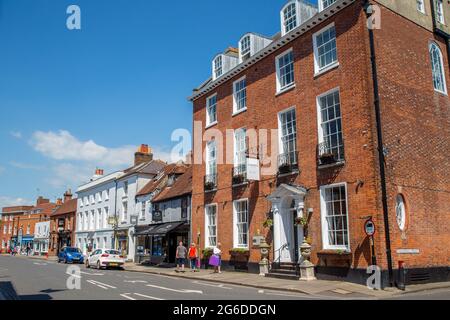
112, 252
73, 250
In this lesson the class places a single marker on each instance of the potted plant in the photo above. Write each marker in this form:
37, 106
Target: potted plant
301, 221
239, 258
206, 254
209, 186
284, 168
327, 158
238, 178
268, 223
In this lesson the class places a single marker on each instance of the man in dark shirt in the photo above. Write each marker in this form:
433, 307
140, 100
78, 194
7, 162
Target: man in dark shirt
181, 256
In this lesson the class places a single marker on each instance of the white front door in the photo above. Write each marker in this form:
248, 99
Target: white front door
287, 244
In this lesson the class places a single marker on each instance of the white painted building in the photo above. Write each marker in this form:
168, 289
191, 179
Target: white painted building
106, 210
41, 238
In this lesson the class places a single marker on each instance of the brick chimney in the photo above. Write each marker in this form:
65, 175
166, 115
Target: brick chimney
41, 200
144, 154
59, 202
68, 195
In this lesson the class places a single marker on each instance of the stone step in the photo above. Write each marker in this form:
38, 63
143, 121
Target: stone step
283, 276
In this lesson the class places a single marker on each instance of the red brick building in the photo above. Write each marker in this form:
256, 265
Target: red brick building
63, 225
7, 224
343, 99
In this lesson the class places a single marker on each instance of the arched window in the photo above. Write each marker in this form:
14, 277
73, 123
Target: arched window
290, 17
400, 212
437, 67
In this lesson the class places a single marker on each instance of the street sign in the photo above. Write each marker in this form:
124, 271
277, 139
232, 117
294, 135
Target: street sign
369, 228
253, 172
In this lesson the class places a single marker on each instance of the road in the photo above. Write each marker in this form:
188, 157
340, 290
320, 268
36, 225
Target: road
32, 279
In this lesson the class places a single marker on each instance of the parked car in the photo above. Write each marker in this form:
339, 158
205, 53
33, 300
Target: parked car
70, 255
105, 258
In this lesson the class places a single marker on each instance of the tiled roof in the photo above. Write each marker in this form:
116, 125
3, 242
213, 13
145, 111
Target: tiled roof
67, 207
173, 168
46, 208
151, 167
181, 187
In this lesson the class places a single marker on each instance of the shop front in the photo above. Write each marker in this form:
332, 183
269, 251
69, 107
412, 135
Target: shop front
157, 244
122, 242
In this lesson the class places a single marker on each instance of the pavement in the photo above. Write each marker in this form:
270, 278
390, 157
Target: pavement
38, 278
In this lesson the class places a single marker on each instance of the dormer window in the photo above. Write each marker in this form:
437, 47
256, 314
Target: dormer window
245, 46
295, 13
323, 4
290, 17
218, 67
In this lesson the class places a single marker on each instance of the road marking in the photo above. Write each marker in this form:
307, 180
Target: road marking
221, 286
148, 297
136, 281
103, 284
125, 295
175, 290
92, 274
95, 284
40, 264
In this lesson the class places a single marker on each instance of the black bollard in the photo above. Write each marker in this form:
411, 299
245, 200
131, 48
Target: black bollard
401, 280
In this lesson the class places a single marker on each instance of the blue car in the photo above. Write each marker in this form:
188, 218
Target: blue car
70, 255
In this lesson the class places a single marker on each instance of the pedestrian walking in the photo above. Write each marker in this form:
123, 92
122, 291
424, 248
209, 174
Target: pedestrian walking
193, 257
216, 258
181, 256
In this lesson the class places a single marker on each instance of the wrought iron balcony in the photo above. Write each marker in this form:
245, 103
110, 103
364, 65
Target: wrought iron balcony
288, 162
210, 182
239, 174
331, 153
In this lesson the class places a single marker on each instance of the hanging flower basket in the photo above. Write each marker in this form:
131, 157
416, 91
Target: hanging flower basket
301, 221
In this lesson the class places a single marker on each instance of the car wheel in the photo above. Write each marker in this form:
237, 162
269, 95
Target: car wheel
98, 265
87, 264
65, 260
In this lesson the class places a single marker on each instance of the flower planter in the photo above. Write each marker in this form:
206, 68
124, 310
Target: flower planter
285, 168
327, 158
239, 259
238, 179
209, 186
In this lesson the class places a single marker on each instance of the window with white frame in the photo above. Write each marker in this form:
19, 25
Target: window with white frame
86, 201
143, 208
323, 4
420, 6
245, 46
5, 229
437, 67
335, 233
106, 195
105, 217
92, 199
211, 110
9, 229
80, 221
330, 125
210, 225
125, 188
240, 151
325, 51
440, 11
288, 136
99, 219
211, 166
239, 95
241, 230
285, 70
86, 221
124, 211
218, 67
92, 221
99, 197
289, 15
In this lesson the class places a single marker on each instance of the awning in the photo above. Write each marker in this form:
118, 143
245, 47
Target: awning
165, 228
145, 231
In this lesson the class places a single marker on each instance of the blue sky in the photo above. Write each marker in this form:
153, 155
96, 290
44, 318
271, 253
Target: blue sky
74, 100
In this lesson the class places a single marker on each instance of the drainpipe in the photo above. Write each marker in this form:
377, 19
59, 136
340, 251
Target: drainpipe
381, 154
439, 31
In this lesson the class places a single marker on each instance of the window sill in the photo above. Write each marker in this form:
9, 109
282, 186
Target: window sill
441, 92
286, 89
335, 252
326, 69
294, 172
211, 125
331, 165
239, 112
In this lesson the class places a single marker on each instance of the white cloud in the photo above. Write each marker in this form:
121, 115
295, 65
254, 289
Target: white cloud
26, 166
12, 202
62, 145
67, 175
16, 134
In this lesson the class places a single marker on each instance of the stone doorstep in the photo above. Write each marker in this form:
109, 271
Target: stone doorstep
309, 288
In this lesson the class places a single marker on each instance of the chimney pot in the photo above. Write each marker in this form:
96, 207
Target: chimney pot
144, 154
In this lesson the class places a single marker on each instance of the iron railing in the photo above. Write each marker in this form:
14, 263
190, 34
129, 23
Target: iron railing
288, 162
210, 182
239, 174
331, 153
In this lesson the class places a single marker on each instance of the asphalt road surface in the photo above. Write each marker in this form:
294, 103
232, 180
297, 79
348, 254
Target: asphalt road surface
31, 279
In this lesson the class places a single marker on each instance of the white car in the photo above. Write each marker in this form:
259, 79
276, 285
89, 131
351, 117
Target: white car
105, 258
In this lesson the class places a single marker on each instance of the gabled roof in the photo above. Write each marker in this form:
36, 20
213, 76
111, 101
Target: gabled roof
152, 186
67, 207
151, 167
181, 187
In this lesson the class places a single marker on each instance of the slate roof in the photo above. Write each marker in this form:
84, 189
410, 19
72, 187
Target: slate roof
181, 187
67, 207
